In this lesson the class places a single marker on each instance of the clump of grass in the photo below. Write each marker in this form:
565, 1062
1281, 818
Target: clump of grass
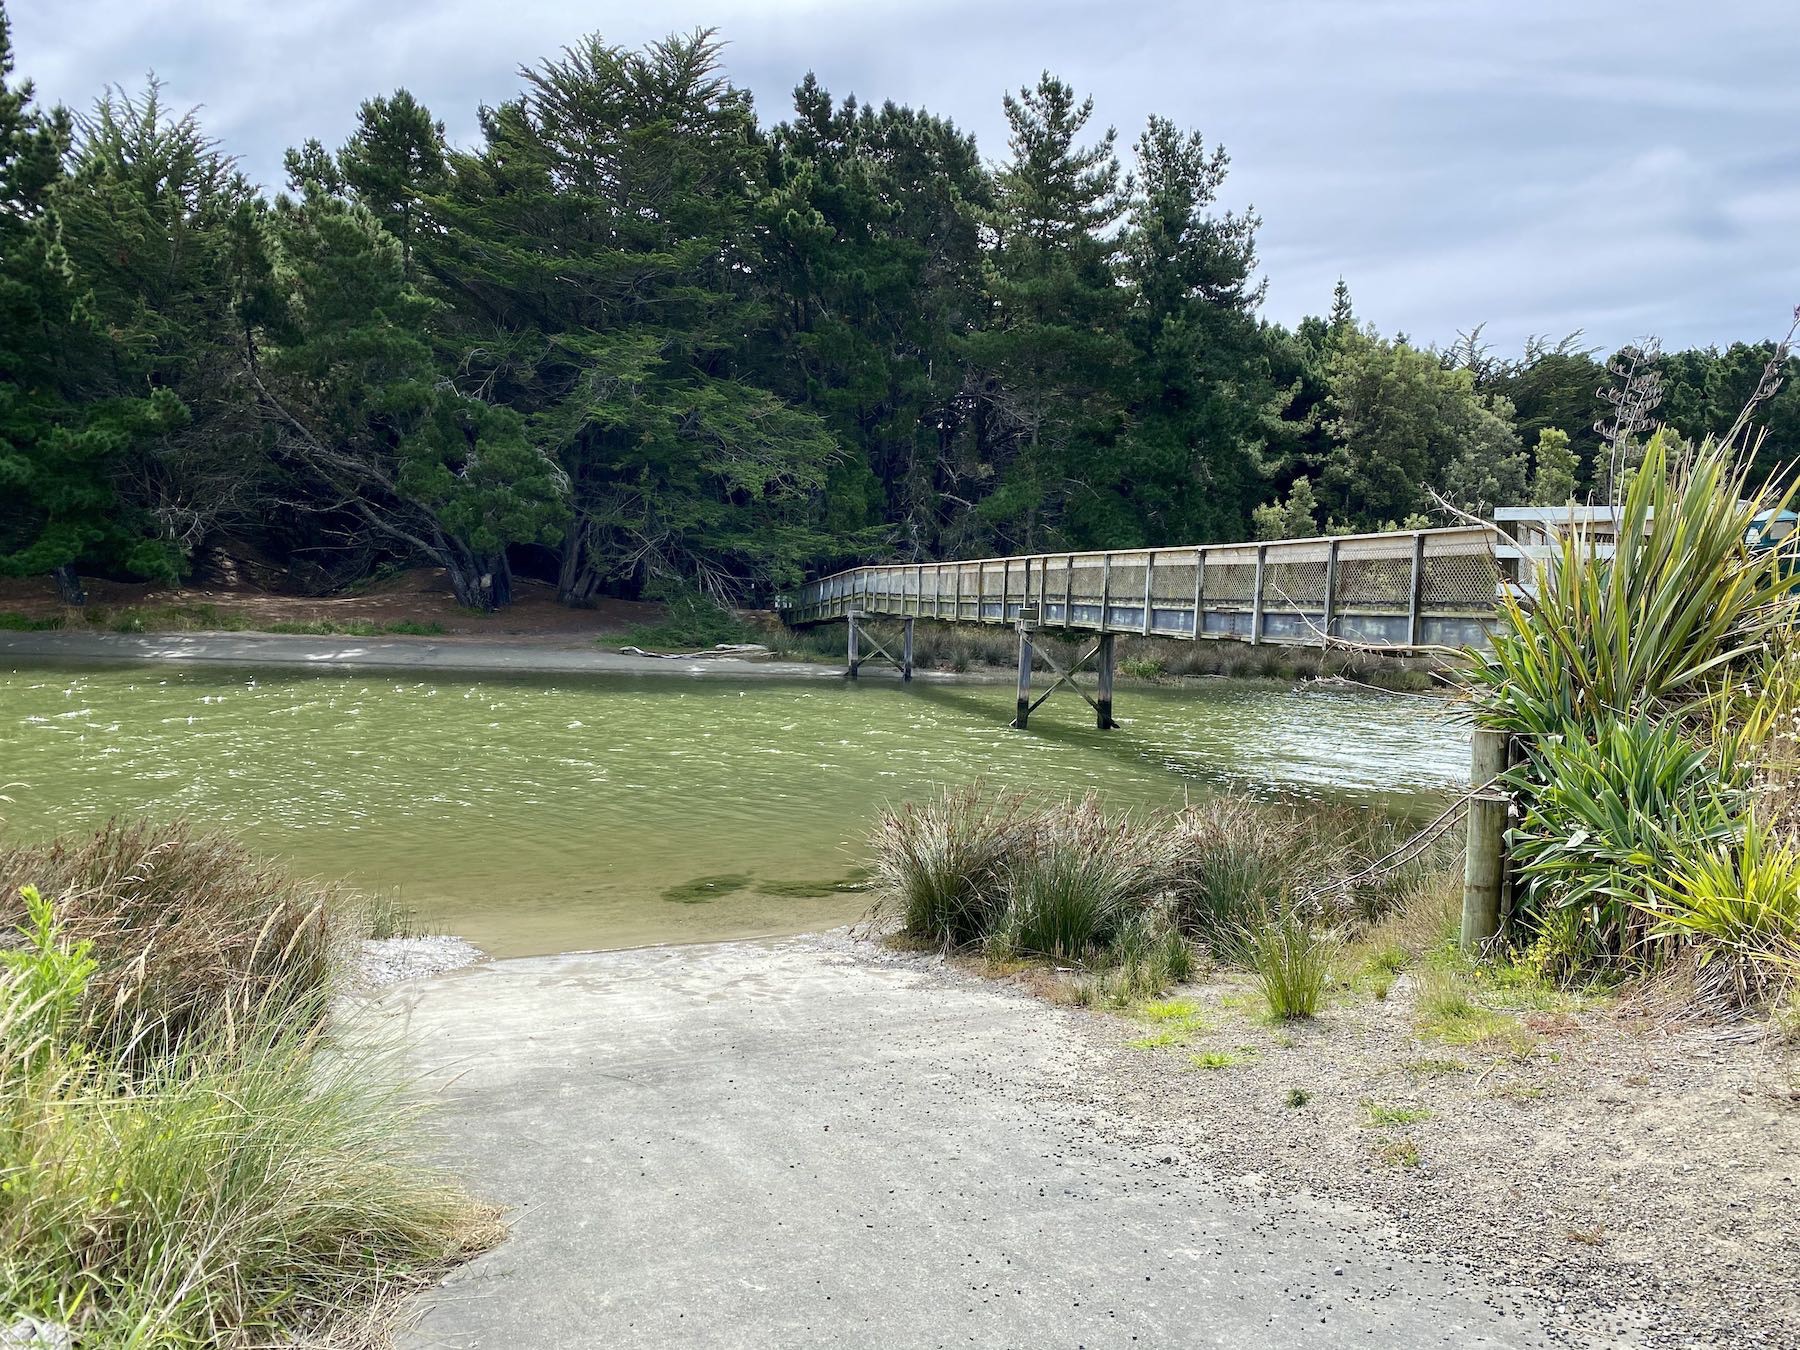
26, 623
1381, 1115
1083, 881
415, 628
939, 865
699, 890
182, 924
1291, 959
166, 618
1217, 1059
1297, 1097
1181, 1011
241, 1187
1447, 1011
383, 915
1144, 668
1429, 1065
1399, 1153
1159, 1040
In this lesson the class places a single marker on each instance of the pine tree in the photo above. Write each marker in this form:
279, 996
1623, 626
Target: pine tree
62, 449
599, 253
1055, 356
352, 396
1189, 467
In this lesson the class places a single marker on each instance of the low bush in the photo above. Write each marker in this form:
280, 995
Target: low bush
690, 623
1081, 880
1739, 904
26, 623
183, 926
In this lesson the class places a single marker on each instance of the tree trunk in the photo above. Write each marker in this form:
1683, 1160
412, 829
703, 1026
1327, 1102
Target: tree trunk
481, 583
68, 585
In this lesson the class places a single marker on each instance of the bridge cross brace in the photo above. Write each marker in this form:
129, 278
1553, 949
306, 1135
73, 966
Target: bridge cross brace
858, 635
1101, 653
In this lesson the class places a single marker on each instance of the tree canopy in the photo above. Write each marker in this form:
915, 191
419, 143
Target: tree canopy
637, 340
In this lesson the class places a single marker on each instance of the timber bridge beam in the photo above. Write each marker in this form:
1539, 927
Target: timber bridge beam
1395, 592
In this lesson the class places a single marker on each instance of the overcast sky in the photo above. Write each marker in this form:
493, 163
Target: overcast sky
1535, 165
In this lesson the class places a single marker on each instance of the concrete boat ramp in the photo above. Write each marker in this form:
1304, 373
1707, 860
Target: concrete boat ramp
810, 1143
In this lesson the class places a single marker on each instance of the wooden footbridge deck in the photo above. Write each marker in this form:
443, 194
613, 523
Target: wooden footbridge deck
1397, 591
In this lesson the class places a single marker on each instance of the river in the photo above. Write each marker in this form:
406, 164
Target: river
536, 815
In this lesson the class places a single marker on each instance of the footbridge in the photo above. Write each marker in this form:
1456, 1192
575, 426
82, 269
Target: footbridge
1397, 592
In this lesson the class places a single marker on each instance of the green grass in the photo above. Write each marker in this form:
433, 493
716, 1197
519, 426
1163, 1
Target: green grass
1292, 963
1296, 1098
1179, 1011
702, 889
1218, 1059
1430, 1065
1381, 1115
1399, 1153
1448, 1011
1160, 1040
25, 623
245, 1177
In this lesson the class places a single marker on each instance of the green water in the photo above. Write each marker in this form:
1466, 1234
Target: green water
537, 815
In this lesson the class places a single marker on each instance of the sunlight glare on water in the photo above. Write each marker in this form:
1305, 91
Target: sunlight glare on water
537, 814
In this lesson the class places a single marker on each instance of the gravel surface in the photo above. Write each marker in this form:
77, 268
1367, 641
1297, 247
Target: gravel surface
385, 961
1637, 1183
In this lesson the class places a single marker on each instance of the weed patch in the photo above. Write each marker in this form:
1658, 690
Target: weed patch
702, 889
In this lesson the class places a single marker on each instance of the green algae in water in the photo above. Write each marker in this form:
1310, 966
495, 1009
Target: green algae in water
701, 889
849, 884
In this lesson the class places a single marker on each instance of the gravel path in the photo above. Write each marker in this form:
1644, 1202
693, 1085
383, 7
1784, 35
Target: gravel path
803, 1143
1643, 1181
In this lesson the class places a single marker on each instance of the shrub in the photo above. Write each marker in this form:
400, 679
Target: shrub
1292, 962
244, 1189
692, 621
939, 866
1740, 904
181, 925
1607, 817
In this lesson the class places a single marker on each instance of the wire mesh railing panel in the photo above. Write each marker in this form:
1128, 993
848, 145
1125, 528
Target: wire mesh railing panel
1294, 584
1460, 581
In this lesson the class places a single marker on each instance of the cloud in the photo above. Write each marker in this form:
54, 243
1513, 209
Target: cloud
1537, 166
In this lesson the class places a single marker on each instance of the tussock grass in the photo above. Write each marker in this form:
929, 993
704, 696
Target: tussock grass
939, 865
1382, 1115
183, 925
1291, 959
190, 1155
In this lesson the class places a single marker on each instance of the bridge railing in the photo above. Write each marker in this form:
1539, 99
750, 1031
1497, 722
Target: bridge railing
1400, 589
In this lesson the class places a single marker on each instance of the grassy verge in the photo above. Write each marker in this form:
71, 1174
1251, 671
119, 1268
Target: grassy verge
191, 1153
1125, 906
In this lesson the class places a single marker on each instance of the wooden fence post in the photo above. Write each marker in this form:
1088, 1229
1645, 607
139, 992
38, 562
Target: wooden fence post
1484, 870
1331, 571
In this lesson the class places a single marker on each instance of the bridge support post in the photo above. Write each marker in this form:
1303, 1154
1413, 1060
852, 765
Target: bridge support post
906, 649
1103, 717
1024, 707
855, 659
1484, 870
